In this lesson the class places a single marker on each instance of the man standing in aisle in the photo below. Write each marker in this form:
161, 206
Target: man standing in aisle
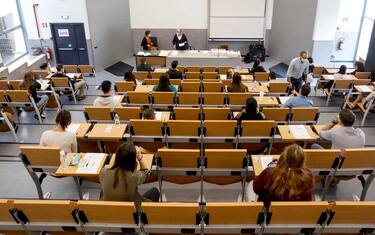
298, 70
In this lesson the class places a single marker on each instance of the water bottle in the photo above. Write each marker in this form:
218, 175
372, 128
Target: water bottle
117, 119
63, 159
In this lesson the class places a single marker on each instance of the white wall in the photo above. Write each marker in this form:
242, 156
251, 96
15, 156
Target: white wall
168, 14
269, 13
326, 20
51, 11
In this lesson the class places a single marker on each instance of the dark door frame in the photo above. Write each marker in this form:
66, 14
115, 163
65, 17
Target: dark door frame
52, 27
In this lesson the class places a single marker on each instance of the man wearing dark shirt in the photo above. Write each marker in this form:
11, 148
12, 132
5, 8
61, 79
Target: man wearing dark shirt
173, 73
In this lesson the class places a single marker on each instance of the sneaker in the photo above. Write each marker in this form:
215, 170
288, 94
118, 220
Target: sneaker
47, 195
86, 196
37, 118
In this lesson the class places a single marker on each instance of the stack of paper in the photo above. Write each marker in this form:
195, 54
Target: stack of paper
91, 163
299, 131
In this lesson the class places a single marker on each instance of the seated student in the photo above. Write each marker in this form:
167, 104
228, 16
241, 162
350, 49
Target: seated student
237, 85
251, 112
362, 98
148, 114
45, 66
230, 74
341, 132
358, 67
59, 136
129, 77
106, 99
310, 75
301, 100
257, 67
173, 73
143, 66
32, 87
77, 84
272, 75
164, 85
341, 74
121, 181
289, 180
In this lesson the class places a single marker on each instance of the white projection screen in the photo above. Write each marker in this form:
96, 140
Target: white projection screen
237, 19
168, 14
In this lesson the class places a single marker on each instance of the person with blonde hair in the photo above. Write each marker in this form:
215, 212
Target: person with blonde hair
288, 180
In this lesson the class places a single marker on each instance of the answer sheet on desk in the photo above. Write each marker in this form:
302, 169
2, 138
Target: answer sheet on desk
90, 163
299, 131
73, 128
265, 161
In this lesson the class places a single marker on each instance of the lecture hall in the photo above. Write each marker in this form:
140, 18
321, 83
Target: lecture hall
187, 117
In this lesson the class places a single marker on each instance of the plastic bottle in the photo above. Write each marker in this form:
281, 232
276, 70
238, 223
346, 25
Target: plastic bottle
63, 159
117, 119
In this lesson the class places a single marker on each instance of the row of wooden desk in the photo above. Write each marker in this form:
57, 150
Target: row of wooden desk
113, 132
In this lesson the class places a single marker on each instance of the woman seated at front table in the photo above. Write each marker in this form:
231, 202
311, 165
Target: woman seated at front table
237, 85
288, 180
165, 85
120, 182
251, 112
59, 136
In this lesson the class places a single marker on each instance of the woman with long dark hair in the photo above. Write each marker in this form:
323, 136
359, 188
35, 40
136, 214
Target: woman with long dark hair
120, 182
237, 85
165, 85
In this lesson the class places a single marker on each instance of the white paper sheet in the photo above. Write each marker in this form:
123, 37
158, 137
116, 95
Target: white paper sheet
364, 88
181, 44
158, 115
141, 53
265, 161
283, 99
299, 131
73, 128
108, 129
223, 76
164, 53
90, 163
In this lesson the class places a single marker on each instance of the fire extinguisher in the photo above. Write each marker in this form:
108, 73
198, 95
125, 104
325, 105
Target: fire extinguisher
340, 45
48, 52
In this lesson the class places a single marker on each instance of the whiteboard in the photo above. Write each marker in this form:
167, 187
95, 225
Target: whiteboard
240, 28
168, 14
237, 8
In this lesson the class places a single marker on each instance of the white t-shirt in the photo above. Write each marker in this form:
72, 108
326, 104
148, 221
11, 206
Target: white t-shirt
107, 101
67, 141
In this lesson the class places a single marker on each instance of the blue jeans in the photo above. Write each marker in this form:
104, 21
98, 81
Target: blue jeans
296, 83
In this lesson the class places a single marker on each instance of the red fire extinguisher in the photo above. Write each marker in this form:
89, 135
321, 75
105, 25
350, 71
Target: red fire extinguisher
48, 52
340, 45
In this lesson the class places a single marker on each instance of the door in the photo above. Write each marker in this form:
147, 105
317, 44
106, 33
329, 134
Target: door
70, 43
